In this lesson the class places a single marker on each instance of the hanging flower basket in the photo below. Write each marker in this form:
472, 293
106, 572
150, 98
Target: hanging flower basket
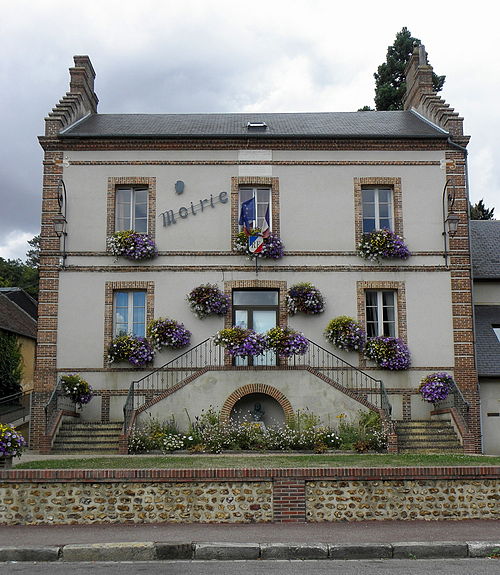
164, 332
306, 298
12, 443
286, 342
77, 389
208, 299
241, 342
132, 245
136, 350
388, 352
273, 248
345, 333
381, 245
436, 386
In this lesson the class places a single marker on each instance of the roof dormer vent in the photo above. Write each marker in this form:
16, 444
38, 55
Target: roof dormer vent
256, 126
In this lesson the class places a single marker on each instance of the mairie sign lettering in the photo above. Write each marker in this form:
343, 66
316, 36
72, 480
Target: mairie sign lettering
169, 216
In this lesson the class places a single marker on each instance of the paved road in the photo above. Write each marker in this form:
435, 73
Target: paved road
376, 567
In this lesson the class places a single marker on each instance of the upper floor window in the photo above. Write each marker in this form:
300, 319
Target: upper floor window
377, 208
129, 313
380, 311
254, 208
131, 210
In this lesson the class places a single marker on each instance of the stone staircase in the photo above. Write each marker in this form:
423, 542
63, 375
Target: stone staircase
424, 436
88, 437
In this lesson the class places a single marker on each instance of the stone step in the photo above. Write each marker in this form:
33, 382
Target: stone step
88, 437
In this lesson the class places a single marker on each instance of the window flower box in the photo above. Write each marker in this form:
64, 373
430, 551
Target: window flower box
136, 350
436, 386
77, 389
132, 245
164, 332
382, 244
345, 333
388, 352
208, 299
306, 298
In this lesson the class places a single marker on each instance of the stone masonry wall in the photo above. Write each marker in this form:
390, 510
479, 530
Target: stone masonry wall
33, 497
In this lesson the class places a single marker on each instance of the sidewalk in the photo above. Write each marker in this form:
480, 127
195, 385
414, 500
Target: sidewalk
356, 540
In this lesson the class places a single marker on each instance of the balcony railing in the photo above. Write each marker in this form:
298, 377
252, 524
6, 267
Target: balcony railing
207, 356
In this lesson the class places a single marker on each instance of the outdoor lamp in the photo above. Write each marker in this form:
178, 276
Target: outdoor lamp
60, 225
452, 220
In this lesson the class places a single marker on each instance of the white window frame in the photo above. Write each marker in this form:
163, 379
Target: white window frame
377, 204
130, 324
131, 217
380, 322
259, 221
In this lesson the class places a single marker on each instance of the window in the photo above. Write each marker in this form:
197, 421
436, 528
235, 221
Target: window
377, 208
131, 211
259, 201
129, 313
496, 331
257, 310
381, 317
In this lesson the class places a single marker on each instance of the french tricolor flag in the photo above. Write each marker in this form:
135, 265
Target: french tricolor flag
266, 229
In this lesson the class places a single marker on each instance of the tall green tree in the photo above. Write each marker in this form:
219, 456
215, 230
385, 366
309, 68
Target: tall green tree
15, 273
10, 364
480, 212
390, 80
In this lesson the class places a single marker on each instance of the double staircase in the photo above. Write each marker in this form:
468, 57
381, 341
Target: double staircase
88, 437
424, 436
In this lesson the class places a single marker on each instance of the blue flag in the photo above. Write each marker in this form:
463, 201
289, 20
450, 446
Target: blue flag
247, 215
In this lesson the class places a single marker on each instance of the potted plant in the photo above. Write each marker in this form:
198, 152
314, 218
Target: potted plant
136, 350
12, 444
240, 342
164, 332
306, 298
286, 341
436, 386
272, 248
208, 299
132, 245
77, 389
388, 352
382, 244
345, 333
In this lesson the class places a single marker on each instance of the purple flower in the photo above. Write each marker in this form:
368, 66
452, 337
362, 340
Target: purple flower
208, 299
345, 333
286, 341
273, 247
382, 244
169, 333
132, 245
388, 352
436, 386
306, 298
241, 342
136, 350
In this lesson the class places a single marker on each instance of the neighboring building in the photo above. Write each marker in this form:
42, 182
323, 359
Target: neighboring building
18, 317
325, 178
485, 247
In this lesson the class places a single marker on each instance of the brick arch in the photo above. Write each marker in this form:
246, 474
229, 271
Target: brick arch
256, 388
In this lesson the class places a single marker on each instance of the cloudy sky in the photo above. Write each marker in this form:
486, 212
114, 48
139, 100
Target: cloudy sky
179, 56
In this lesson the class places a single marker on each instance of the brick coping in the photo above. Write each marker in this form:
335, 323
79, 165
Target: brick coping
250, 474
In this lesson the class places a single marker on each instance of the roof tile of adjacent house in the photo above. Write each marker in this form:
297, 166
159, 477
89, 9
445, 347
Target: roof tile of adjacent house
485, 248
15, 320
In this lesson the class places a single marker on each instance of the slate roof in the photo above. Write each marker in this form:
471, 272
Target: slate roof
22, 299
16, 320
398, 124
485, 249
488, 346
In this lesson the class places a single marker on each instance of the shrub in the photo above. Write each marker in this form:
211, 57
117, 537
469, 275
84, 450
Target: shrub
388, 352
345, 333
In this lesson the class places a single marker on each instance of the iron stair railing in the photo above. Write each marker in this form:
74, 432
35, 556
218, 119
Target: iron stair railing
206, 355
457, 401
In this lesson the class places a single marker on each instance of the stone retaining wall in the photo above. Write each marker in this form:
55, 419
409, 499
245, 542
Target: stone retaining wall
247, 495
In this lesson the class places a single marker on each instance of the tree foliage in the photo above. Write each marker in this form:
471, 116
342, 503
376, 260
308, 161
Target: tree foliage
15, 273
10, 364
480, 212
390, 80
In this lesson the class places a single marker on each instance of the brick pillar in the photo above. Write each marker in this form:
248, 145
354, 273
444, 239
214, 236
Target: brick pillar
289, 500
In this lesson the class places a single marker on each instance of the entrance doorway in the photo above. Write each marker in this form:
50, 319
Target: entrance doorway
257, 310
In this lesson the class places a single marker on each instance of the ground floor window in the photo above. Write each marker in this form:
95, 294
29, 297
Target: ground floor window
258, 310
381, 313
129, 313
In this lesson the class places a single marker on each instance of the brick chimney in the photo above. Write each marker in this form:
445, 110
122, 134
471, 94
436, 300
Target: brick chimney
421, 97
80, 101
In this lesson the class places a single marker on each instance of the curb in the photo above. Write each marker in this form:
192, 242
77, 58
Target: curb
201, 551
